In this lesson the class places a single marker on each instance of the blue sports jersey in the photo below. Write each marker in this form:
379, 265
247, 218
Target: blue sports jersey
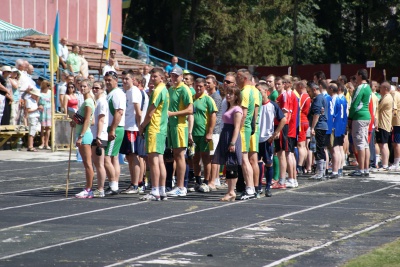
329, 119
339, 115
343, 101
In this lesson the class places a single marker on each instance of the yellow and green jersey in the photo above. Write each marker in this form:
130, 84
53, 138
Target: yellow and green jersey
203, 107
248, 102
160, 99
179, 98
257, 102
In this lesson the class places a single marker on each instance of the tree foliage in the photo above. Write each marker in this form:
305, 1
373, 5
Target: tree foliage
261, 32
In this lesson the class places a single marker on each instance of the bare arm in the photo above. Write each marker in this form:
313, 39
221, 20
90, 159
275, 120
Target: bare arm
213, 120
138, 113
278, 129
65, 104
86, 123
190, 123
147, 119
237, 121
314, 122
117, 118
100, 125
187, 111
244, 116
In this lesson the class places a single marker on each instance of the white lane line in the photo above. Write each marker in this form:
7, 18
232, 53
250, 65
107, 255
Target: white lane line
38, 188
68, 216
34, 204
244, 227
17, 179
327, 244
114, 231
32, 168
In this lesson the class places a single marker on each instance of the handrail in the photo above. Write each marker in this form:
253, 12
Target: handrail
186, 61
154, 57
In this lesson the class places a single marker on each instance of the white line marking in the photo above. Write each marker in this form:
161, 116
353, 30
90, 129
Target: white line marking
112, 232
331, 242
68, 216
34, 204
243, 227
33, 189
32, 168
17, 179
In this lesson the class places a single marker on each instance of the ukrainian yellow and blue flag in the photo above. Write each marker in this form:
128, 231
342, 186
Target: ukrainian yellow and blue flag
107, 33
54, 54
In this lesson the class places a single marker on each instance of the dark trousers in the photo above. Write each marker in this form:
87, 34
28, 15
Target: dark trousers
372, 151
320, 137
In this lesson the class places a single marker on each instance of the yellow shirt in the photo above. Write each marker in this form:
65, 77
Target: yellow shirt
396, 108
385, 111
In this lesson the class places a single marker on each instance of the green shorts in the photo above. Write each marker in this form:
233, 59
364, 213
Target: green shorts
155, 143
113, 146
178, 136
245, 133
202, 145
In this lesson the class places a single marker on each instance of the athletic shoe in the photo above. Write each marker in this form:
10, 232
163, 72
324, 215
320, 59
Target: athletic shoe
278, 186
394, 168
245, 195
296, 183
268, 193
222, 185
163, 197
85, 194
177, 192
110, 192
365, 174
290, 183
372, 169
142, 189
150, 197
130, 190
97, 193
333, 176
356, 173
203, 188
383, 169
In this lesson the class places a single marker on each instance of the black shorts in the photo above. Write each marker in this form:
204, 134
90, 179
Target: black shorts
292, 143
328, 140
282, 142
103, 143
382, 136
132, 143
266, 152
338, 141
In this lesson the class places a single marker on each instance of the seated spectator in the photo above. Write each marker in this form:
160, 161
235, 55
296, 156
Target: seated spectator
109, 66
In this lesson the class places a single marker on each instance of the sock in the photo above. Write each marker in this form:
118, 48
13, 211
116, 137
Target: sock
186, 181
335, 173
161, 190
205, 182
250, 190
114, 185
261, 175
198, 179
155, 191
269, 173
396, 162
276, 168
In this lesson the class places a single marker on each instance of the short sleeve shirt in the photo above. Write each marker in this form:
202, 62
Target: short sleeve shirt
270, 111
385, 111
305, 102
133, 96
248, 103
75, 61
229, 115
81, 111
116, 100
101, 109
160, 99
283, 103
203, 107
273, 96
218, 103
179, 98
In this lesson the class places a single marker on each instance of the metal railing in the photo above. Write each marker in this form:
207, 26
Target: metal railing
187, 64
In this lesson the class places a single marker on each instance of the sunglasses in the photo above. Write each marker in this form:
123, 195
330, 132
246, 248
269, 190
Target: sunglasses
228, 82
96, 87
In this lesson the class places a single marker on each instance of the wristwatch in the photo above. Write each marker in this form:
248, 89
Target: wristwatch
81, 136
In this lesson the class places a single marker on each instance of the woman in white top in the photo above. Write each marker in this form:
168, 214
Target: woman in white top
100, 136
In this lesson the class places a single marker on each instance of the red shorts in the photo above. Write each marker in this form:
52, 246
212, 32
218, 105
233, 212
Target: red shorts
303, 132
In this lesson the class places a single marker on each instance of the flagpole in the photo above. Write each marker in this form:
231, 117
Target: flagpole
53, 125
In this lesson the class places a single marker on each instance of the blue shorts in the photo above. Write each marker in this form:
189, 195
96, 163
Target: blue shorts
396, 134
266, 152
87, 138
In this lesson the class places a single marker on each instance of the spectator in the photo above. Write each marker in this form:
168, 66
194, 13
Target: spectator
396, 130
45, 114
109, 66
113, 54
15, 106
74, 61
146, 75
174, 63
33, 111
6, 91
63, 50
62, 89
70, 100
84, 69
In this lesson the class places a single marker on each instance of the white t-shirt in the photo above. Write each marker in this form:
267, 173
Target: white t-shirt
268, 113
116, 100
108, 68
145, 105
133, 96
62, 88
32, 104
63, 50
147, 77
101, 109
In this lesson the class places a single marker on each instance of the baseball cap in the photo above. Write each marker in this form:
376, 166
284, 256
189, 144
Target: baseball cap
177, 71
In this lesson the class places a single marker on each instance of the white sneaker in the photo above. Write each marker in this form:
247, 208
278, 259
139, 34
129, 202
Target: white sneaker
296, 184
394, 168
85, 194
290, 183
177, 192
204, 188
217, 182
